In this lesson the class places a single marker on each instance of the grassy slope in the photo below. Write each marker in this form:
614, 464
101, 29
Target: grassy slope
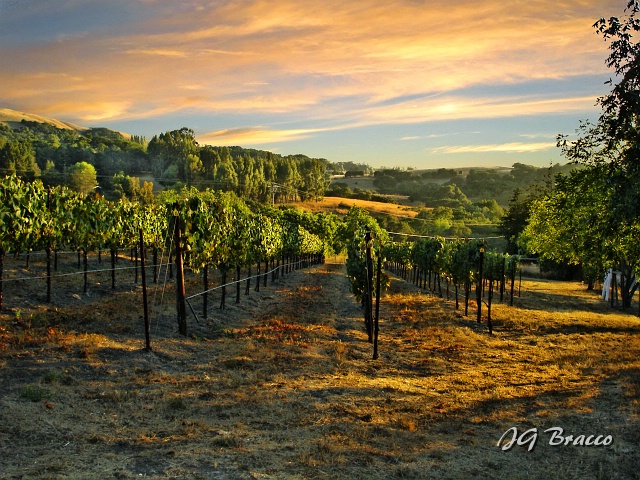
14, 117
341, 206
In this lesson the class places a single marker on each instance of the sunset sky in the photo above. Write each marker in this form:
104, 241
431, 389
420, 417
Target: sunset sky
421, 83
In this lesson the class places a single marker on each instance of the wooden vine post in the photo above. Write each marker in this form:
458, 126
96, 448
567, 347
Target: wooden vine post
181, 305
479, 285
48, 250
368, 307
223, 296
490, 298
513, 281
376, 328
147, 324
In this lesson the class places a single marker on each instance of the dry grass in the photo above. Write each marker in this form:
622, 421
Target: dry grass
341, 206
14, 117
283, 386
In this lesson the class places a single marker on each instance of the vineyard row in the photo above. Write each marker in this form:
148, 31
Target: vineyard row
217, 229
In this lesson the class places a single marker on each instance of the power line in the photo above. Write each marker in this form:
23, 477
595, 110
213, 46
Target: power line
445, 238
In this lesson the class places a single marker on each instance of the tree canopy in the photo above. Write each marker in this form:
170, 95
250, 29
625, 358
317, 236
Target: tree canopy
592, 216
82, 177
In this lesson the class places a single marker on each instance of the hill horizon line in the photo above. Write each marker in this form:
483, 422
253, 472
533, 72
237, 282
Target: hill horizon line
13, 119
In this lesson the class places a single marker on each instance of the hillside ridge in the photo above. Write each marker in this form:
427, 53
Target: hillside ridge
10, 117
13, 118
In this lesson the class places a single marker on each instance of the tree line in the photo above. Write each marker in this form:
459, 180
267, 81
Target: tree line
589, 218
455, 188
103, 159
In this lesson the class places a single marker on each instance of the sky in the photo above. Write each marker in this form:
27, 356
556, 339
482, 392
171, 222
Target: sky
404, 83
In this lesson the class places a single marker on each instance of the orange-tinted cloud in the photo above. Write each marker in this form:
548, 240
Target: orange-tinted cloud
515, 147
457, 108
335, 61
255, 136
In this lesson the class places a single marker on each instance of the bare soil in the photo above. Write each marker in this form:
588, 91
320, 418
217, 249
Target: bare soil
282, 385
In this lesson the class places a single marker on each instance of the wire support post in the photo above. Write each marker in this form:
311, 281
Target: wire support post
147, 324
479, 284
181, 307
368, 312
376, 323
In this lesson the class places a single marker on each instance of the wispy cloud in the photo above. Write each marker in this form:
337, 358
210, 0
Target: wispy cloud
374, 49
159, 52
456, 108
430, 136
514, 147
254, 136
533, 136
348, 64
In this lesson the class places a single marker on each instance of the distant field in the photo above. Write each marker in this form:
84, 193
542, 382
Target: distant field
364, 183
341, 205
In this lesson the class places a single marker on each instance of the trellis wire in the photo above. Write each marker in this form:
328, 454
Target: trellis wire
233, 283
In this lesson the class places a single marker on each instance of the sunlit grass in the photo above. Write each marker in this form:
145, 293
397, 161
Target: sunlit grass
342, 205
290, 388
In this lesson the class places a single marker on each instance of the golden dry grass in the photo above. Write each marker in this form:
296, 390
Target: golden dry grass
12, 116
341, 206
283, 386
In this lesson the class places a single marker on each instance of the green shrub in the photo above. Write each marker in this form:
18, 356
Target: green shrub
35, 393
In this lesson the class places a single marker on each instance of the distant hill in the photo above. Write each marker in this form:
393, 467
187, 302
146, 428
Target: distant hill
13, 119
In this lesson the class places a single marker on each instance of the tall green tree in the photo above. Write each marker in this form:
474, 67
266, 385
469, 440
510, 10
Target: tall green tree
209, 157
126, 186
82, 177
224, 172
17, 157
515, 219
595, 214
178, 149
569, 224
314, 177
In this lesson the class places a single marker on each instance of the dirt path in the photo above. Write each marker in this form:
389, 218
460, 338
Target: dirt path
282, 385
